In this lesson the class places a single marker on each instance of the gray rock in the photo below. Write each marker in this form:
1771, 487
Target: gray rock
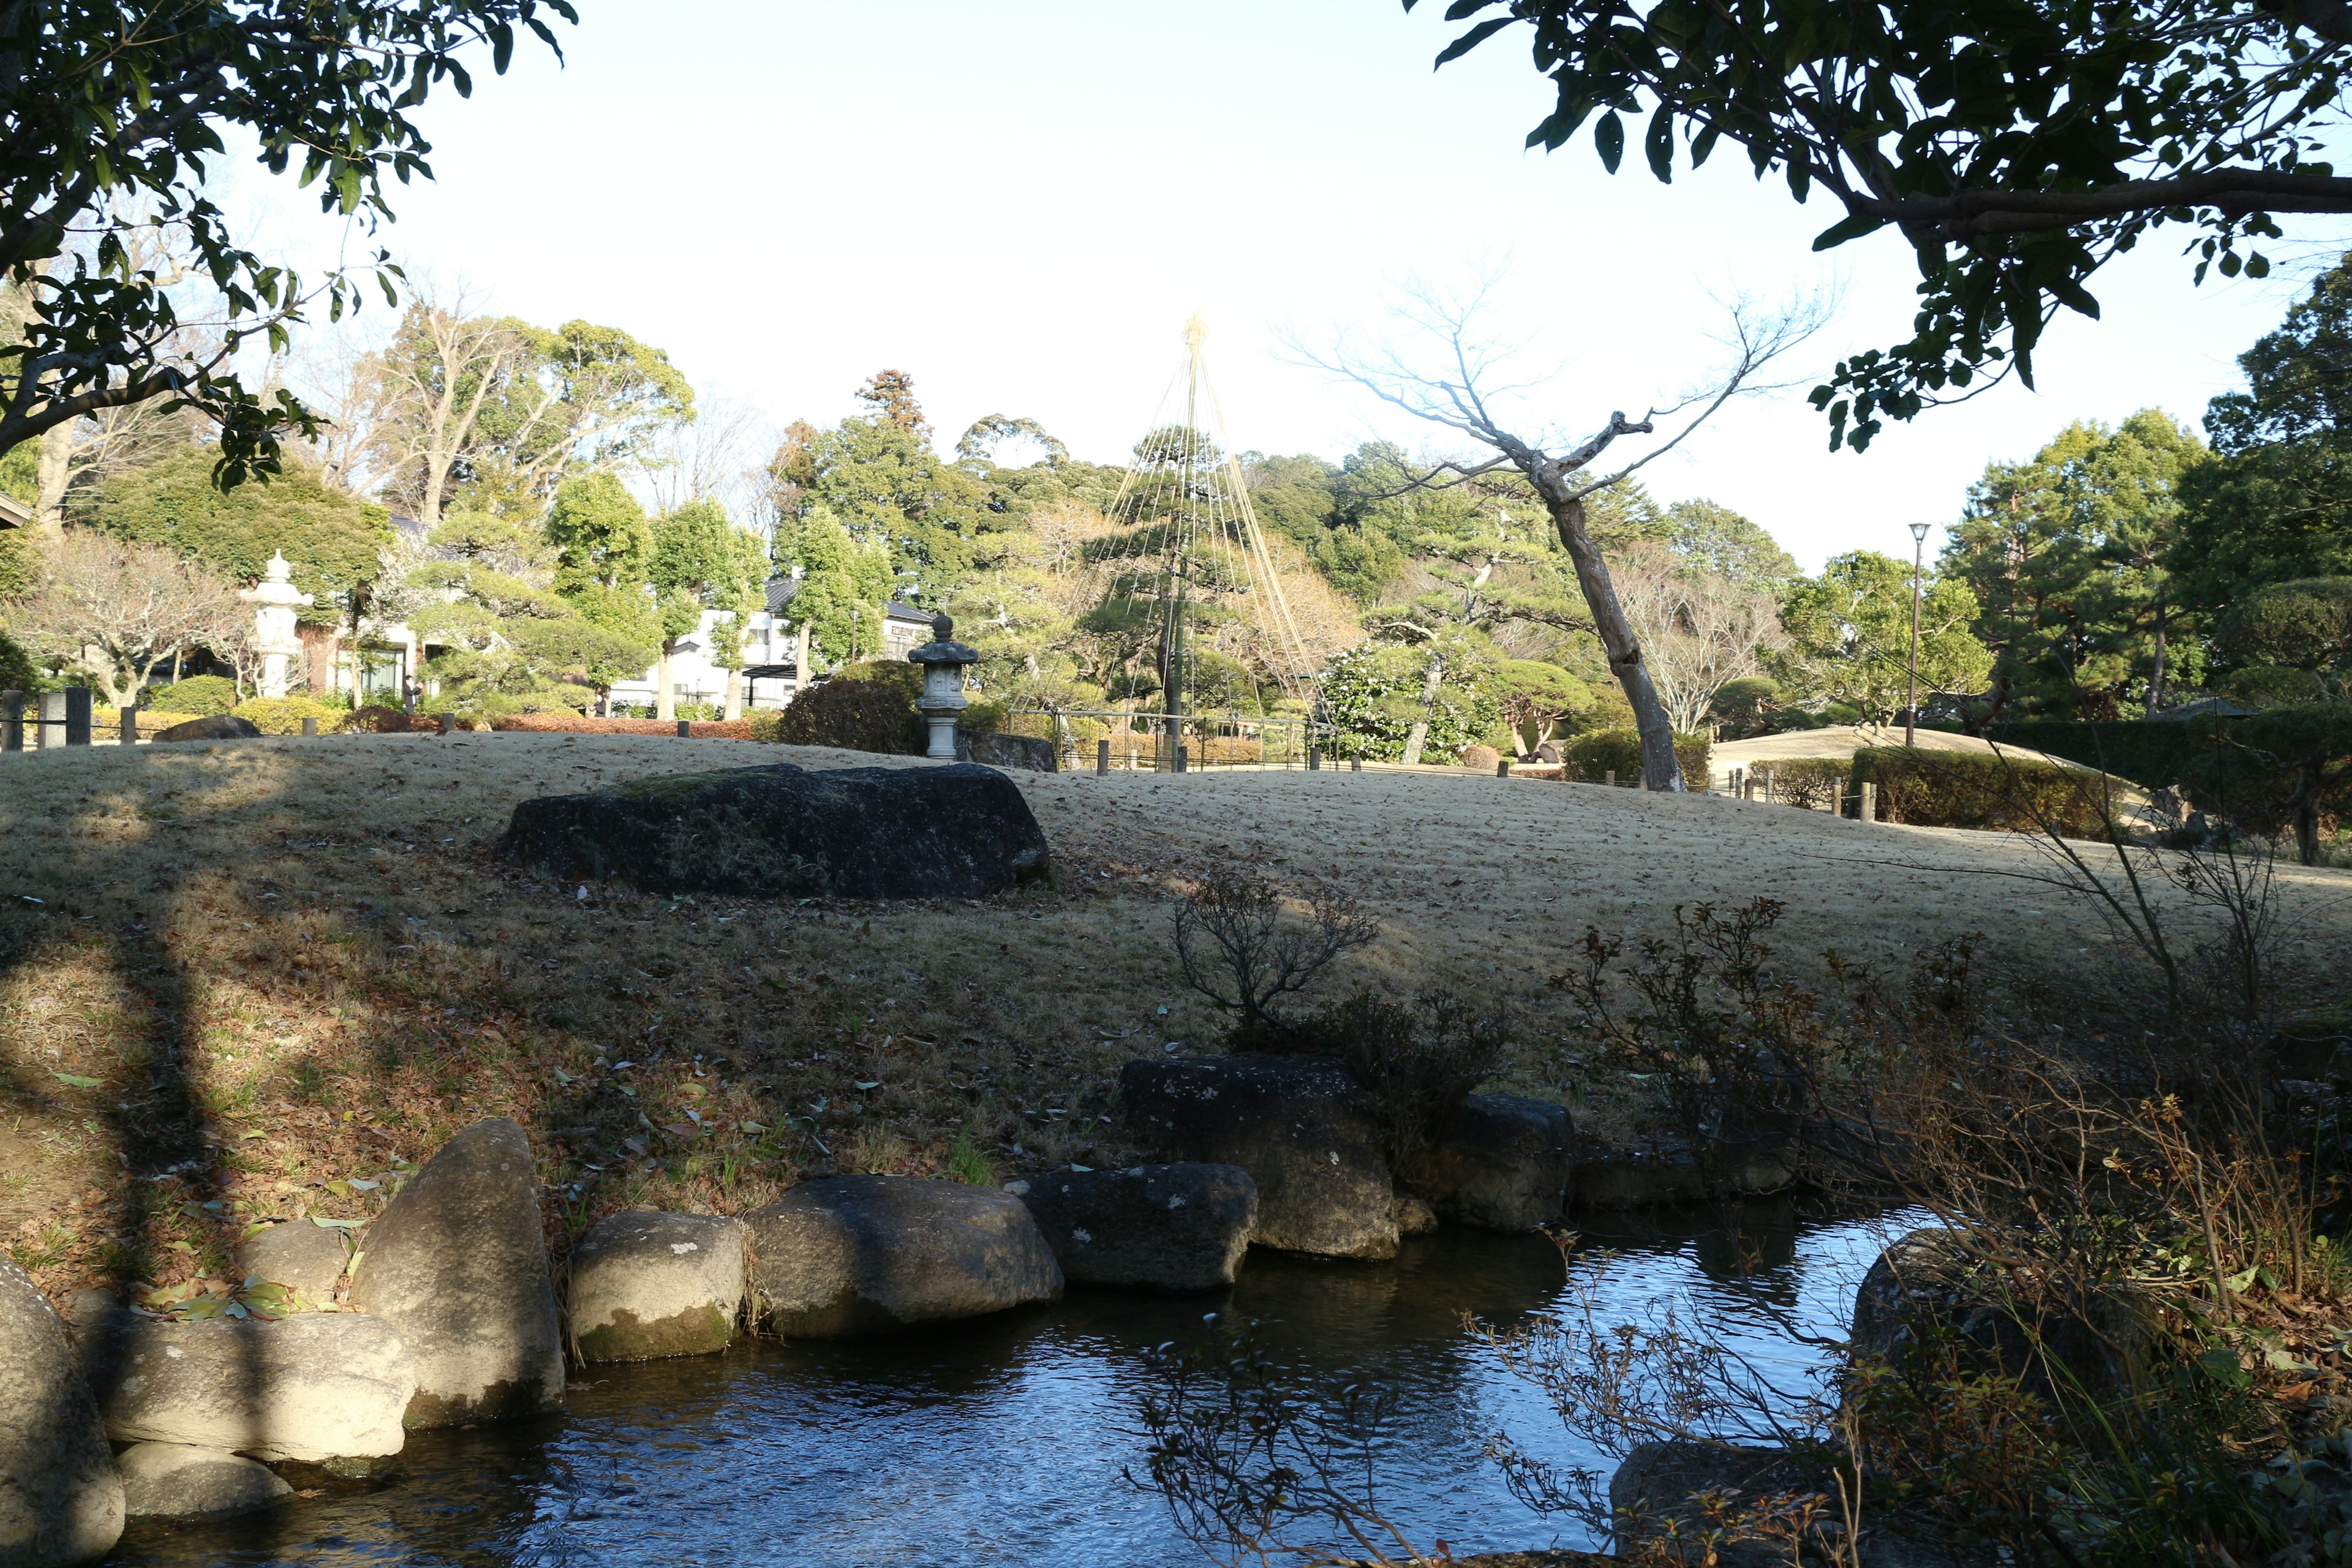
308, 1257
177, 1482
1298, 1126
1498, 1162
1928, 1278
314, 1386
458, 1264
959, 831
990, 749
1676, 1173
219, 727
646, 1284
1414, 1215
869, 1254
60, 1498
1162, 1227
1660, 1482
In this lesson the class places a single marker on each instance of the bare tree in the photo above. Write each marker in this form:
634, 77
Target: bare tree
1452, 377
1699, 631
345, 380
441, 369
714, 456
119, 610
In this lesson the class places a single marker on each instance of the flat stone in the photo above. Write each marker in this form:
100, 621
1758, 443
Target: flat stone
308, 1258
175, 1481
869, 1254
219, 727
1497, 1163
646, 1284
314, 1386
1297, 1125
1158, 1228
960, 831
1673, 1174
60, 1497
1032, 753
458, 1262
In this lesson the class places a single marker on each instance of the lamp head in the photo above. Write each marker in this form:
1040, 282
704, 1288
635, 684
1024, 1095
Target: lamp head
1919, 534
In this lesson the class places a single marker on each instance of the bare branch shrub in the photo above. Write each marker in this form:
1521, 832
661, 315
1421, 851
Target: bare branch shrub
119, 609
1417, 1061
1240, 947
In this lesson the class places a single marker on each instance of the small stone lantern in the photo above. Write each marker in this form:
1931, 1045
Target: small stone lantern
275, 602
944, 660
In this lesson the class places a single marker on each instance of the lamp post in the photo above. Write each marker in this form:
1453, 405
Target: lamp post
1911, 707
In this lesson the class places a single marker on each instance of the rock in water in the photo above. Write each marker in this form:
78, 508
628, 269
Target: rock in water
308, 1257
954, 832
646, 1284
869, 1254
315, 1387
60, 1498
180, 1482
1162, 1227
1298, 1126
219, 727
458, 1264
1498, 1162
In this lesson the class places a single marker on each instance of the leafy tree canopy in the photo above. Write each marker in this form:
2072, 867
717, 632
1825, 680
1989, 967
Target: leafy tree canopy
116, 115
2277, 506
334, 541
2017, 147
599, 533
1850, 627
1713, 538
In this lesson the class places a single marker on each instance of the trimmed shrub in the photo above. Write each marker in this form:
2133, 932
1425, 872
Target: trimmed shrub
853, 716
1591, 758
1814, 783
109, 721
284, 715
583, 724
202, 695
896, 674
985, 714
377, 718
1967, 789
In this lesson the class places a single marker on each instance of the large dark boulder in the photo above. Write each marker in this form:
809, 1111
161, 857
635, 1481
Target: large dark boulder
853, 1256
960, 832
1722, 1493
1297, 1125
458, 1263
60, 1498
647, 1285
1159, 1227
1497, 1163
219, 727
1674, 1172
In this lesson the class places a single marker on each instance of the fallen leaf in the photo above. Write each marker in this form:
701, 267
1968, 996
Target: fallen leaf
76, 1080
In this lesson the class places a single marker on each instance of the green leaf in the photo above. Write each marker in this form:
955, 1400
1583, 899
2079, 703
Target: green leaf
1609, 140
1472, 39
1658, 144
319, 1219
76, 1080
1853, 228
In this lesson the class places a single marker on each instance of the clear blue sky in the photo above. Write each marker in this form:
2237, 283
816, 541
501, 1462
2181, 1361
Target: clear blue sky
1020, 203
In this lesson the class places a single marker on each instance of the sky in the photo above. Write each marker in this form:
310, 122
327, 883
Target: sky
1020, 204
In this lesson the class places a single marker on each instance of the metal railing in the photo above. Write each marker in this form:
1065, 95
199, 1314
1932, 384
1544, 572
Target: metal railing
1164, 743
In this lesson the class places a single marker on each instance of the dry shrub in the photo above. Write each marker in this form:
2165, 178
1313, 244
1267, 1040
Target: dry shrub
1416, 1060
1239, 945
1816, 784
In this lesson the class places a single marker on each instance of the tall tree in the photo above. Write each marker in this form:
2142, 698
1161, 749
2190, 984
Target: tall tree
844, 588
881, 480
115, 115
2066, 554
694, 566
2276, 506
1852, 625
600, 535
1713, 538
2017, 148
1700, 629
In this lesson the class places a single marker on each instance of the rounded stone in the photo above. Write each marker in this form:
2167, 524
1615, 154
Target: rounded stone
177, 1482
646, 1284
314, 1386
308, 1258
60, 1496
1158, 1228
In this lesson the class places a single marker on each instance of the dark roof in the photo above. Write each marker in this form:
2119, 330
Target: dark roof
781, 591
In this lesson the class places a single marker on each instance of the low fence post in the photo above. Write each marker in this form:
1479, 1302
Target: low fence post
1183, 754
12, 721
310, 728
1767, 787
1314, 759
1608, 778
130, 723
1869, 801
1503, 768
1355, 764
53, 719
1102, 759
449, 722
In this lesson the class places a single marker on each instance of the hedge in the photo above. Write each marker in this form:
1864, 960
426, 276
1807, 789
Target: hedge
2151, 752
1969, 789
284, 715
853, 716
202, 695
1591, 758
580, 724
1817, 784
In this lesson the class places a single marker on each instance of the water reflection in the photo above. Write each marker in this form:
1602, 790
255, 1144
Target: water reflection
1002, 1441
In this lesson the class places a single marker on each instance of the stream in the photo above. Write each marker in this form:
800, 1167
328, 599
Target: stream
1003, 1439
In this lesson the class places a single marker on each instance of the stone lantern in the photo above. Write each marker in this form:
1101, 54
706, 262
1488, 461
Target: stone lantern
274, 600
944, 660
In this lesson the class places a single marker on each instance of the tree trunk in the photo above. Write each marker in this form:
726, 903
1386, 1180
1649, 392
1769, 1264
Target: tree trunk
2307, 817
735, 693
55, 469
800, 658
1660, 770
1419, 735
665, 705
2156, 678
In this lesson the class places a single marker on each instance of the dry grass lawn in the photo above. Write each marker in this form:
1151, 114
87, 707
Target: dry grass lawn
247, 979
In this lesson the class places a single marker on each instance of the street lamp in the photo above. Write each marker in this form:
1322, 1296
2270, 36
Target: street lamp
1918, 560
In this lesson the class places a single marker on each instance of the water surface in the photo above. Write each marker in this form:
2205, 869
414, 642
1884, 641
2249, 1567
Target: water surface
1002, 1440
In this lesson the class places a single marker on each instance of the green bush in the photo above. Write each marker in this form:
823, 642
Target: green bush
855, 716
1970, 789
897, 674
1591, 758
2149, 751
284, 715
986, 715
1817, 784
206, 694
16, 670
